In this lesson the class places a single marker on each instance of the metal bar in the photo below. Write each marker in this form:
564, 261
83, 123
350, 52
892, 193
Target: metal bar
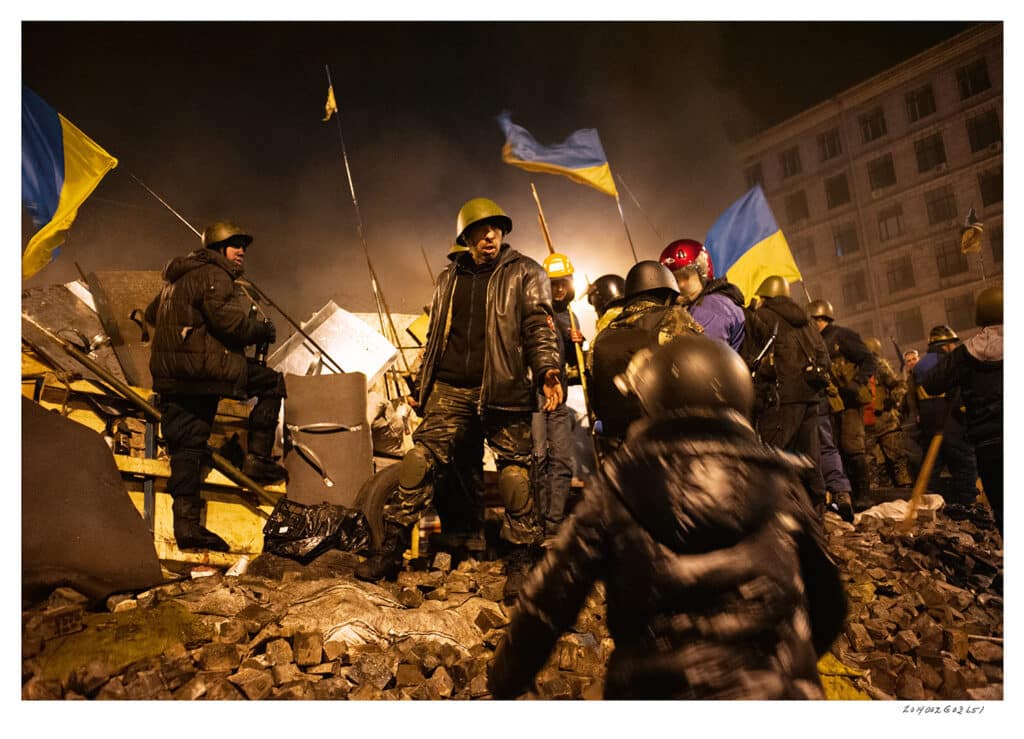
148, 486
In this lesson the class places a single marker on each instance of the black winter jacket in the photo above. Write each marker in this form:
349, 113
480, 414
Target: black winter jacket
717, 579
797, 344
202, 328
976, 368
519, 330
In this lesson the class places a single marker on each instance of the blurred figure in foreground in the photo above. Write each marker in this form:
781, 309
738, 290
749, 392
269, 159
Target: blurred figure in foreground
718, 580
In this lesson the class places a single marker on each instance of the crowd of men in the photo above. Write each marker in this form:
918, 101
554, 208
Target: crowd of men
723, 426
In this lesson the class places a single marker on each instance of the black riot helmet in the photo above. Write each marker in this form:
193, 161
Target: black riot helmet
650, 276
606, 291
691, 372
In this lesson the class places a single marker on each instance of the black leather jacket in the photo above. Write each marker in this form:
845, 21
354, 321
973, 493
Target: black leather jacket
520, 332
202, 328
718, 581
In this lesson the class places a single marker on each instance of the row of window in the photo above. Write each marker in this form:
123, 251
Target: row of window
983, 130
940, 202
920, 103
959, 316
899, 275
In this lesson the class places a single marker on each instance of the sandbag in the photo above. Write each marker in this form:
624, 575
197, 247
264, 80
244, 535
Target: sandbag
79, 527
328, 447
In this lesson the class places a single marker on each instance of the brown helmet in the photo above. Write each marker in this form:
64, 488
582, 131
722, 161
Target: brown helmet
988, 309
480, 209
772, 287
821, 309
940, 335
874, 345
219, 232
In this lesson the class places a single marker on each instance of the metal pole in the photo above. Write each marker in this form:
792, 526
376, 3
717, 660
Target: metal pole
638, 207
362, 239
629, 238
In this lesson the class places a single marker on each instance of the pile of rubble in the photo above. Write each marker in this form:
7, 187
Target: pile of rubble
926, 607
926, 622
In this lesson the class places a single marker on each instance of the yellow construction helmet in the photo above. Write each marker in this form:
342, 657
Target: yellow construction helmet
558, 265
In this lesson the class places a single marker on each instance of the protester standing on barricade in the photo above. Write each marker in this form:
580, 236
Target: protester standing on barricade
944, 413
650, 317
491, 347
852, 367
887, 453
975, 368
203, 325
553, 443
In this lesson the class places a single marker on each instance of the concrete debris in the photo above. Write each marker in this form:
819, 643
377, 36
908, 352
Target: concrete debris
925, 623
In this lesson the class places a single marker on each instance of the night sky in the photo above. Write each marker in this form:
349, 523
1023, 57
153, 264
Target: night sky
223, 120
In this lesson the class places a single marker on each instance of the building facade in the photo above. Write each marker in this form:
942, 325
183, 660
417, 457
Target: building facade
872, 187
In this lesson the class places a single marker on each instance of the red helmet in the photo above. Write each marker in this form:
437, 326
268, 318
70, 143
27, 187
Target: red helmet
688, 253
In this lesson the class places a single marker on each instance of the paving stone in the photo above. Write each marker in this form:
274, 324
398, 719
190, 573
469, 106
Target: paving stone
442, 682
255, 684
218, 656
985, 651
442, 561
308, 647
410, 597
408, 675
112, 690
285, 673
220, 689
335, 688
279, 652
194, 689
301, 690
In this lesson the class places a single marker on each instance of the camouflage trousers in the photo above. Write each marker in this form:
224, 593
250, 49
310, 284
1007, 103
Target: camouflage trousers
450, 421
887, 458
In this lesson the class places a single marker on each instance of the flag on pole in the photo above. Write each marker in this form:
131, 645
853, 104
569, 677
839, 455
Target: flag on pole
330, 107
747, 245
580, 157
60, 167
970, 236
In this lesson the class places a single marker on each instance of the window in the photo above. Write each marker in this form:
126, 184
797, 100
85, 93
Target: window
931, 152
796, 206
837, 191
960, 312
829, 145
872, 125
991, 185
972, 79
899, 274
863, 329
754, 175
995, 240
984, 130
789, 160
845, 239
941, 204
909, 327
803, 252
890, 222
881, 172
855, 288
949, 259
920, 103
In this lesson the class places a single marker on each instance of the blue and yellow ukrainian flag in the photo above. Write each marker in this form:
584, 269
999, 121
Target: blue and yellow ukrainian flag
746, 244
60, 167
580, 157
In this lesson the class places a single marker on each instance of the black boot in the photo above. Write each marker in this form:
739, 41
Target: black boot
188, 532
843, 505
264, 469
517, 566
387, 561
860, 482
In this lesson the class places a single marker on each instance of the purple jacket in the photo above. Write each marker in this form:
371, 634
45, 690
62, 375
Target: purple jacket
721, 318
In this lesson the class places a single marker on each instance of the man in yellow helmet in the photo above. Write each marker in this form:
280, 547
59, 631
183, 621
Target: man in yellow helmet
491, 348
553, 445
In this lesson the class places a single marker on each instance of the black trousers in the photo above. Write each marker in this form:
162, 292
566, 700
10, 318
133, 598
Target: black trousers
794, 427
187, 421
990, 469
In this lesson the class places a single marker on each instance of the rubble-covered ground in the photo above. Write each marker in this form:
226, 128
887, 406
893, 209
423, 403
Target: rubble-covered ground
925, 622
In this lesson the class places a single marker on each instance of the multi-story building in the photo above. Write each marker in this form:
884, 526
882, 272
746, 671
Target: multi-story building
871, 189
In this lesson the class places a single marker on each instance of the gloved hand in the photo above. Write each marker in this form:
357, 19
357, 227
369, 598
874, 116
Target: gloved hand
269, 332
851, 394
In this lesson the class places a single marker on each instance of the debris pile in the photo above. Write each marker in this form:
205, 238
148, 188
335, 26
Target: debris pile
926, 608
926, 622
